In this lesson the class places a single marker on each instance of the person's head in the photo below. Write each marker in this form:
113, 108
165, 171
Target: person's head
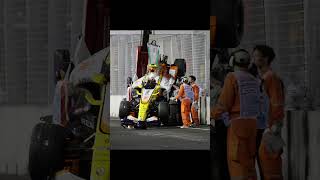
185, 80
192, 79
240, 59
152, 68
263, 55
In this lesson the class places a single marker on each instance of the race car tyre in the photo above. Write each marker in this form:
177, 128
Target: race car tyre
175, 114
181, 63
46, 151
124, 109
163, 112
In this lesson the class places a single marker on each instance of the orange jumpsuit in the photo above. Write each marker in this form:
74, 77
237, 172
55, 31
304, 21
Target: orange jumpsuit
185, 105
241, 135
271, 163
194, 111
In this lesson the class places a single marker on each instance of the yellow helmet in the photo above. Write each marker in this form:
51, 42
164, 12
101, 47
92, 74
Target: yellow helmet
152, 68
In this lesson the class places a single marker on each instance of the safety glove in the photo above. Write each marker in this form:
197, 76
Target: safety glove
273, 143
272, 138
276, 128
195, 105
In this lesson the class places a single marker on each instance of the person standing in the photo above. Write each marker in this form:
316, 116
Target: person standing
195, 105
270, 161
238, 106
61, 97
129, 89
186, 96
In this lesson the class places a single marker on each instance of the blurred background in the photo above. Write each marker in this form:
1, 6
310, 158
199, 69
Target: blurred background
30, 32
292, 29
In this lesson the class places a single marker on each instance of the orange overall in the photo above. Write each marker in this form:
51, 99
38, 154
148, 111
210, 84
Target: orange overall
185, 105
271, 163
241, 135
194, 111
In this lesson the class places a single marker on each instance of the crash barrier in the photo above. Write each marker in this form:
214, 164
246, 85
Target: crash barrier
204, 110
301, 132
115, 104
17, 122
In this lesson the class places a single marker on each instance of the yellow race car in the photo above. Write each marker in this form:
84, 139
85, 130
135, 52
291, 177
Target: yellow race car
150, 104
80, 148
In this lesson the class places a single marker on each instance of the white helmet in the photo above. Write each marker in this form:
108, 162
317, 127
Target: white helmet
185, 79
240, 57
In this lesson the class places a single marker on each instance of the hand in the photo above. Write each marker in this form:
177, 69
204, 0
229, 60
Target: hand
276, 129
272, 142
172, 98
195, 105
267, 131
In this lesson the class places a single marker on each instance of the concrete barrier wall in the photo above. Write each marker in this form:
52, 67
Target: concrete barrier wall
114, 105
15, 131
314, 145
208, 111
285, 153
301, 133
296, 144
204, 112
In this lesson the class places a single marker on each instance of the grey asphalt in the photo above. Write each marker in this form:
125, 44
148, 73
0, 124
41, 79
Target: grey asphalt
158, 138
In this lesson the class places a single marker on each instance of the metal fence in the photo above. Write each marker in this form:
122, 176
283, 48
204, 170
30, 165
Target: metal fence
292, 28
192, 46
30, 32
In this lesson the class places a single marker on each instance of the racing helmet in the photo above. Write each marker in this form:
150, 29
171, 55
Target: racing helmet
151, 80
152, 68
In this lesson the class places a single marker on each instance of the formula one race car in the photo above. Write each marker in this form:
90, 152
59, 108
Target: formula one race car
80, 147
150, 103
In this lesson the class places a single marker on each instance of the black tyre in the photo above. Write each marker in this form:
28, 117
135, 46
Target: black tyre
230, 22
46, 151
163, 112
181, 63
175, 114
124, 109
